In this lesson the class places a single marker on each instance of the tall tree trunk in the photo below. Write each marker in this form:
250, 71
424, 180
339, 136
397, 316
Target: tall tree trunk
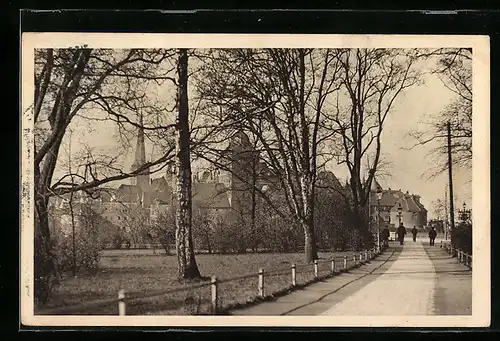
310, 248
188, 268
45, 266
45, 260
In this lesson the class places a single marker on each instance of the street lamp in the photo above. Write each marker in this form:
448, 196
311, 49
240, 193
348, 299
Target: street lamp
400, 213
464, 213
379, 196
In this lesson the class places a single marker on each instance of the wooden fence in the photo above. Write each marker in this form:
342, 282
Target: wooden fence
462, 257
122, 298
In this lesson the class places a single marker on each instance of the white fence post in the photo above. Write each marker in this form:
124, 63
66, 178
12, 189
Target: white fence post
366, 255
294, 275
261, 282
333, 265
213, 284
354, 259
345, 262
315, 268
121, 302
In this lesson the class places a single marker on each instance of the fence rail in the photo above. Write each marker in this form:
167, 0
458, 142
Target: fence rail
123, 299
462, 257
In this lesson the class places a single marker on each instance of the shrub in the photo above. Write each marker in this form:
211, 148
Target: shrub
163, 229
463, 237
88, 242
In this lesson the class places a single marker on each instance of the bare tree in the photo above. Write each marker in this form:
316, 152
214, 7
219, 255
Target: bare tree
86, 84
278, 96
438, 208
454, 68
372, 79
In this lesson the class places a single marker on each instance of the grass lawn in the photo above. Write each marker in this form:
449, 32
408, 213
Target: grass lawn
142, 273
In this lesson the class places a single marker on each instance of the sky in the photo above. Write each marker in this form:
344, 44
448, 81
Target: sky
412, 109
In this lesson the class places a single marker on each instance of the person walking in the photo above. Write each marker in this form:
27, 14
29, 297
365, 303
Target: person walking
401, 234
432, 236
414, 233
385, 236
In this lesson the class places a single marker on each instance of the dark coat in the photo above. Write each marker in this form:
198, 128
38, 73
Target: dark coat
385, 234
432, 234
414, 230
401, 231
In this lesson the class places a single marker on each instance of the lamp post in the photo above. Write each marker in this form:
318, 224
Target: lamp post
400, 213
464, 213
379, 196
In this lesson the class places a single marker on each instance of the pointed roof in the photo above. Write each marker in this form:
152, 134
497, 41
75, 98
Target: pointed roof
390, 197
420, 205
375, 186
328, 179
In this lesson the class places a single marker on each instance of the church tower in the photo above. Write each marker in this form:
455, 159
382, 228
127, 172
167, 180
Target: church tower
141, 180
241, 173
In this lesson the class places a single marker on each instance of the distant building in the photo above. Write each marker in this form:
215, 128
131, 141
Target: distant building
228, 188
413, 211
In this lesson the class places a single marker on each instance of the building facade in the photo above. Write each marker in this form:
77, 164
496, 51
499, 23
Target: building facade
386, 209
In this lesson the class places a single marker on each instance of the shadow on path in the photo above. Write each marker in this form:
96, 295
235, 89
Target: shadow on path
317, 297
360, 277
453, 289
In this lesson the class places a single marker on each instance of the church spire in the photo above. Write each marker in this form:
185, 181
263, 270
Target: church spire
140, 149
141, 180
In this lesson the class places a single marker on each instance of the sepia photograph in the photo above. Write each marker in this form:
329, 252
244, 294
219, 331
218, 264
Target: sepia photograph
239, 180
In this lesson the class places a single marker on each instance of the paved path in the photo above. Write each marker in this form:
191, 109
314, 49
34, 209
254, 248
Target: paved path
406, 288
414, 279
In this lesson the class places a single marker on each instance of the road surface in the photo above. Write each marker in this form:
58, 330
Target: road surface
410, 280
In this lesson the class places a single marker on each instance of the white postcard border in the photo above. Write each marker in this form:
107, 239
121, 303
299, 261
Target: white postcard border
481, 285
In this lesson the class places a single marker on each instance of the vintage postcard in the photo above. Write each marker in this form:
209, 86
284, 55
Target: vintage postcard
255, 180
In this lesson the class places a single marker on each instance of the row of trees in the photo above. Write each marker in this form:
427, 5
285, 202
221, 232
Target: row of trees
225, 231
301, 108
305, 107
214, 231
